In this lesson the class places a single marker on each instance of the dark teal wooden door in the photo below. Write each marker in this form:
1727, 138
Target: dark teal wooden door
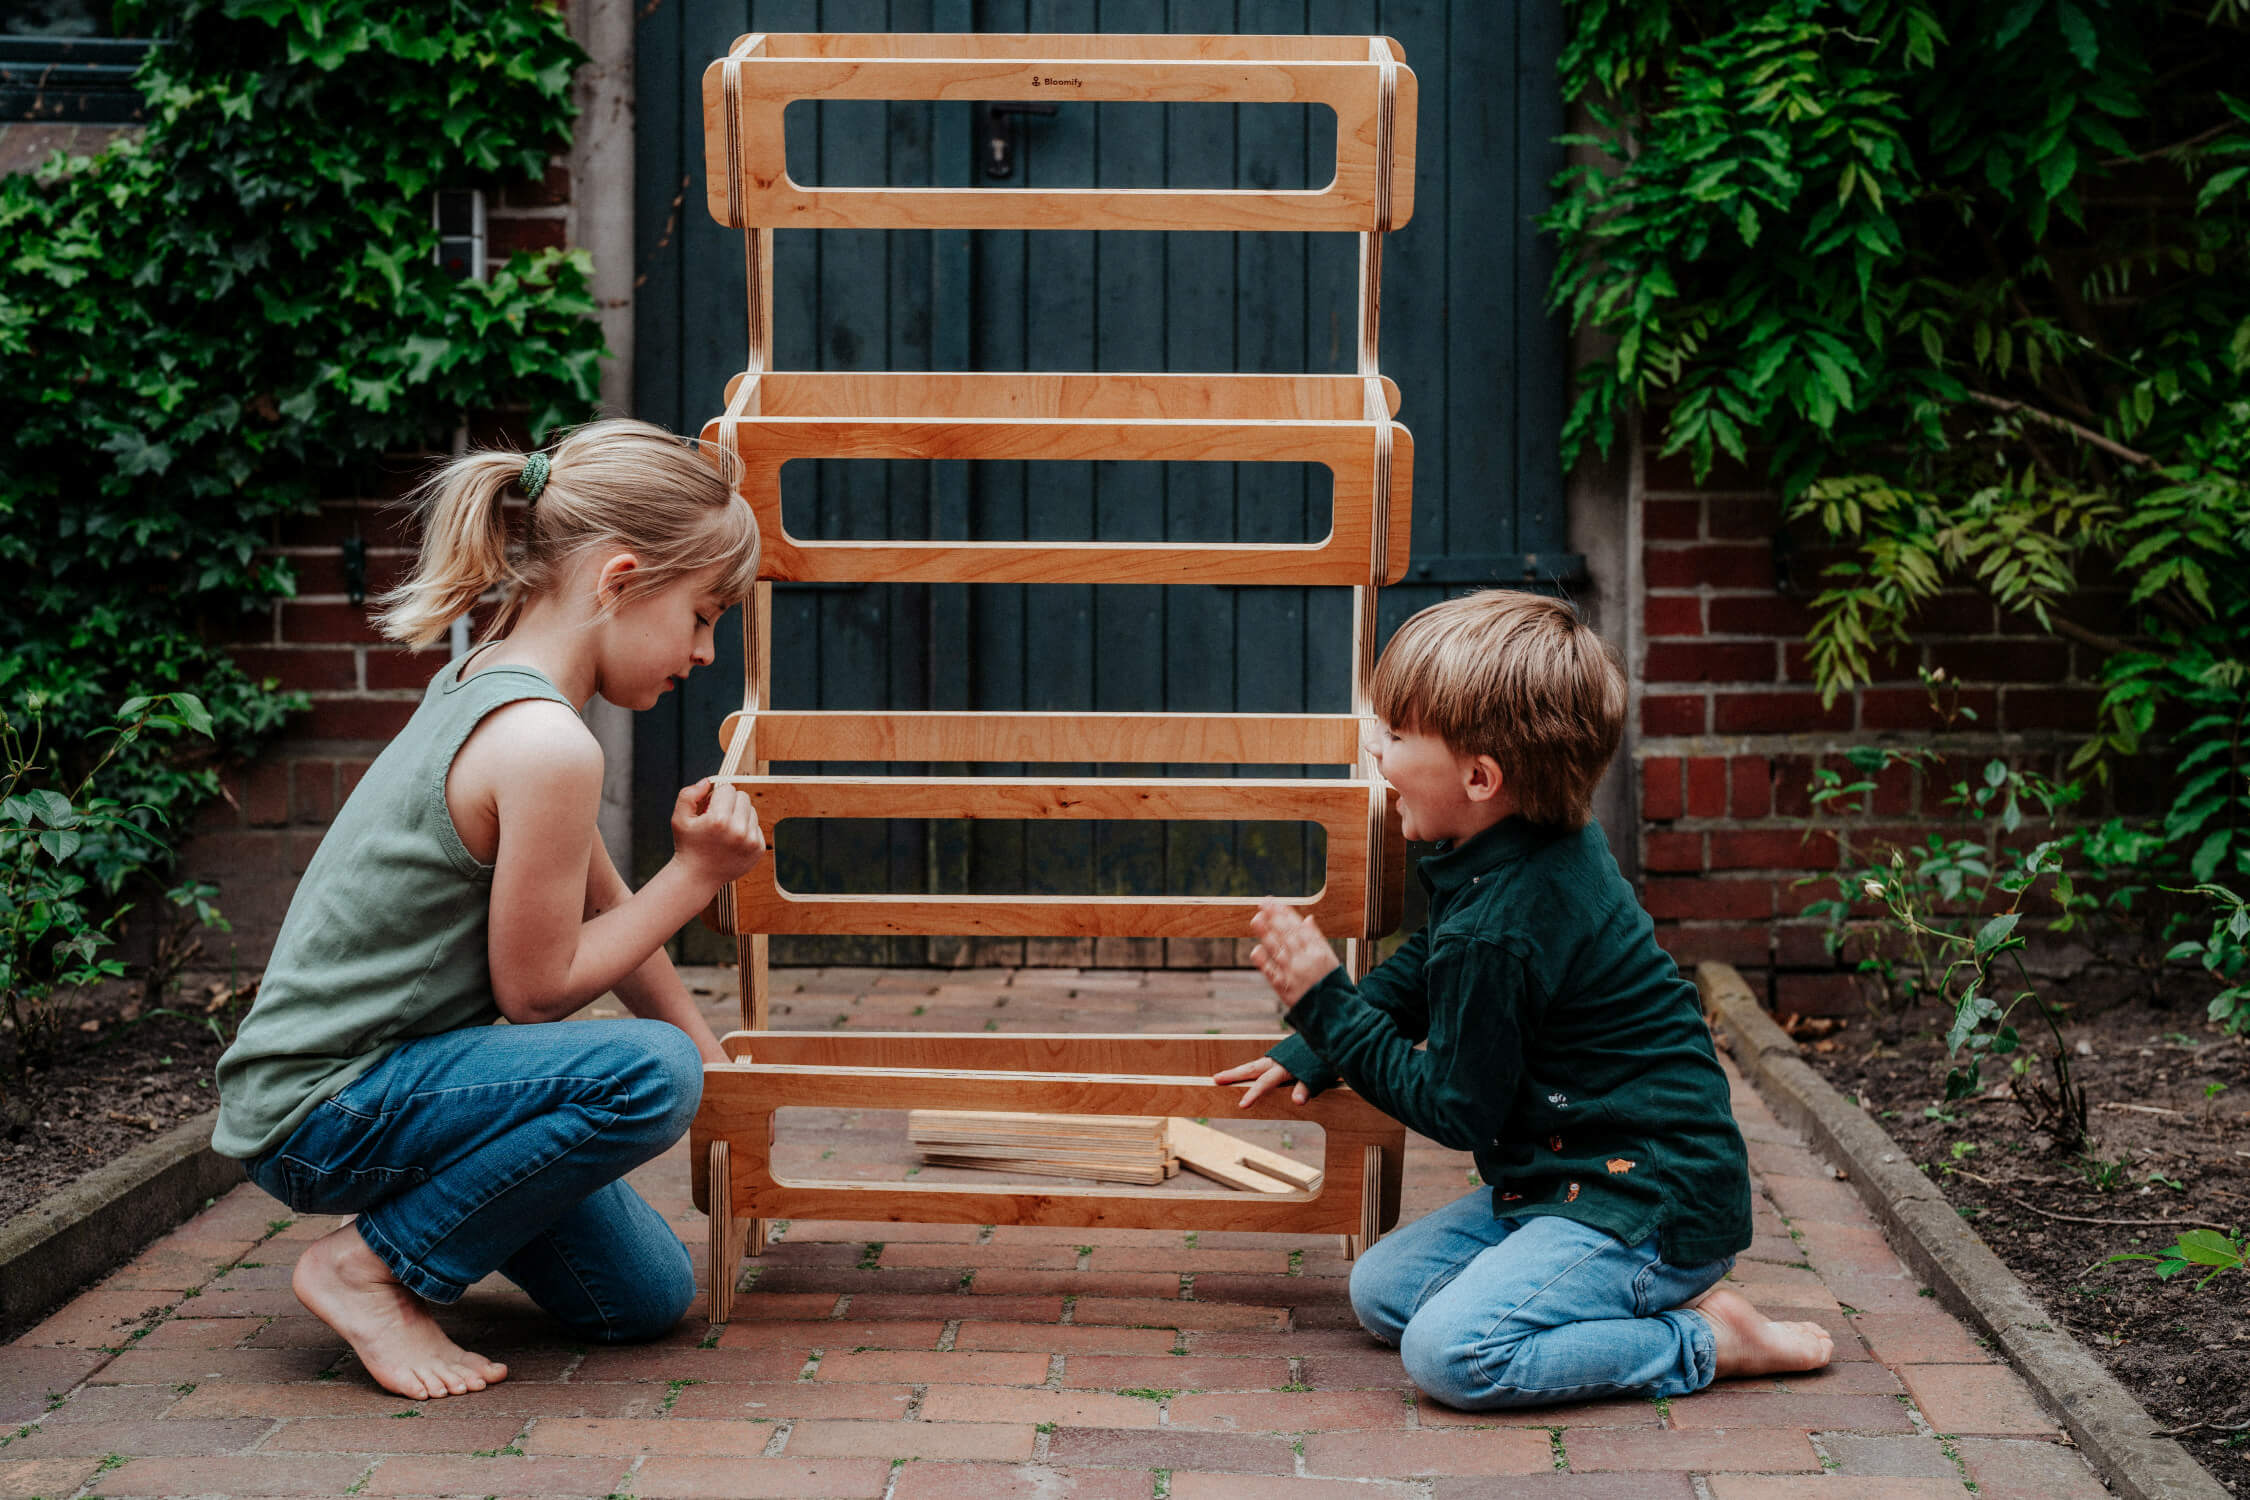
1479, 364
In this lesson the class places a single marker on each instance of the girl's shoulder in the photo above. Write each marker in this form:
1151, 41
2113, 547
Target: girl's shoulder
535, 754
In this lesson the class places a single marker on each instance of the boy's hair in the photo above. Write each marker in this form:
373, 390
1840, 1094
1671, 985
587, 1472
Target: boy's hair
615, 483
1518, 677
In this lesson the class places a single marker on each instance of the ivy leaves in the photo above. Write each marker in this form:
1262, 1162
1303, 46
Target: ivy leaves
207, 327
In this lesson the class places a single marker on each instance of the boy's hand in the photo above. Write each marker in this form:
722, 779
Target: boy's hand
1291, 952
1261, 1073
715, 832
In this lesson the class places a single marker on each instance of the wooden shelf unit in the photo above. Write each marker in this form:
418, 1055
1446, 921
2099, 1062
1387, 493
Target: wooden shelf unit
1345, 422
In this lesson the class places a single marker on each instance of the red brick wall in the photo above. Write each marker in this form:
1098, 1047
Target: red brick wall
1732, 726
363, 688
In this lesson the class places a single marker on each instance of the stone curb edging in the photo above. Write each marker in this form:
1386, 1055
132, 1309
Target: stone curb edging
99, 1222
2108, 1424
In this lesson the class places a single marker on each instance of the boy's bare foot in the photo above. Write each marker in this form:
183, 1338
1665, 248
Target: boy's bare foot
342, 1283
1750, 1343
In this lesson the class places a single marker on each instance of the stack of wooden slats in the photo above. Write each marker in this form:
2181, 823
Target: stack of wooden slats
1107, 1148
1144, 1149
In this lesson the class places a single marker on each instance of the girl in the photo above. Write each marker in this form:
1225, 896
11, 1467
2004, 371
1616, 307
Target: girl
462, 882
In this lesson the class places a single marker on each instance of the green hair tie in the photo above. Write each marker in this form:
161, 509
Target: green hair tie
533, 479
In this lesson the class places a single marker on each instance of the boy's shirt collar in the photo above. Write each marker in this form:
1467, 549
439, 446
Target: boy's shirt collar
1459, 864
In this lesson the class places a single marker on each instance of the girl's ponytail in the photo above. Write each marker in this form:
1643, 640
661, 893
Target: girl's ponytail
464, 547
614, 483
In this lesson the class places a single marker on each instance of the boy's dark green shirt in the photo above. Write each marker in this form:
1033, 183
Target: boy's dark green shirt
1564, 1049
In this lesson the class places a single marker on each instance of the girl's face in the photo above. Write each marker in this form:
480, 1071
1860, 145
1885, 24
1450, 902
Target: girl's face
652, 643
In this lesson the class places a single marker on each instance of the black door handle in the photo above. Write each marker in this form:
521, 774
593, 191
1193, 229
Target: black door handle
999, 155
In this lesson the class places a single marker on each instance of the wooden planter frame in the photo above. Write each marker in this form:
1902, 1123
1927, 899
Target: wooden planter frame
1345, 422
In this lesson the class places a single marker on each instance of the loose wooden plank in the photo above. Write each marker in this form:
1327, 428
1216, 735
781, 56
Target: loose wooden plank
1237, 1162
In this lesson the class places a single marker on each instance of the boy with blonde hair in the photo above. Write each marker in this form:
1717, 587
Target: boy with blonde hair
1557, 1042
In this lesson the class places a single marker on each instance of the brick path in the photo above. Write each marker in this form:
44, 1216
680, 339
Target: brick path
913, 1361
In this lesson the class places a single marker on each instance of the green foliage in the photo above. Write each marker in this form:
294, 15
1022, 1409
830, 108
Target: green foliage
207, 327
1937, 923
1969, 281
52, 933
2224, 954
2215, 1249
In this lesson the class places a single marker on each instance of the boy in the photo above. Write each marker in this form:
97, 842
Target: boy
1563, 1048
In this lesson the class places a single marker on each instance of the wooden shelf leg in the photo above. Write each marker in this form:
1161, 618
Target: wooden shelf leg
725, 1242
1370, 1204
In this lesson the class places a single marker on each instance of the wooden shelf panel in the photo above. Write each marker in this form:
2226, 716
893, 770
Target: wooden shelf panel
1345, 811
1053, 738
740, 1100
1371, 460
1113, 396
1200, 1054
745, 96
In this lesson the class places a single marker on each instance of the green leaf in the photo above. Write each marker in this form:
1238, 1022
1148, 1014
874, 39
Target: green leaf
2078, 34
1994, 933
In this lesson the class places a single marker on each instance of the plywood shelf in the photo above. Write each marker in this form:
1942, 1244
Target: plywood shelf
1344, 422
1364, 80
1341, 422
1352, 815
1363, 1150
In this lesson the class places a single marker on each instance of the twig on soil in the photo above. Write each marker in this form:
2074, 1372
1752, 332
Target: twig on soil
2048, 1213
2146, 1109
2214, 1424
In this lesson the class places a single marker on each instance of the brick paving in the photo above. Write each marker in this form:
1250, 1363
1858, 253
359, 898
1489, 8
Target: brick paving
911, 1362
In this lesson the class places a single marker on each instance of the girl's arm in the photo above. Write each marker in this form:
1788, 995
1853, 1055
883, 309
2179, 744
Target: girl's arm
653, 991
547, 959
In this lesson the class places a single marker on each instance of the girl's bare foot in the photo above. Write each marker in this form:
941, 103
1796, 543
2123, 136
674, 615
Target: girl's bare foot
342, 1283
1750, 1343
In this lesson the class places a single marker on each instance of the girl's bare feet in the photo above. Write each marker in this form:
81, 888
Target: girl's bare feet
1750, 1343
342, 1283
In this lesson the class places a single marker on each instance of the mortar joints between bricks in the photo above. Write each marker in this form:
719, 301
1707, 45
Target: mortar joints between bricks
779, 1440
915, 1396
948, 1334
1053, 1382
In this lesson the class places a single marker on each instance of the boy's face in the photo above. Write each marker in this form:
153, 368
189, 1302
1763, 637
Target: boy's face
1440, 794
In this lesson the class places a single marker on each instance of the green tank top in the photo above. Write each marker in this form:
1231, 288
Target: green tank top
385, 937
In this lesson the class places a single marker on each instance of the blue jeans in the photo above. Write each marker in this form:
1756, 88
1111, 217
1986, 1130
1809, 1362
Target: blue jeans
1489, 1312
503, 1148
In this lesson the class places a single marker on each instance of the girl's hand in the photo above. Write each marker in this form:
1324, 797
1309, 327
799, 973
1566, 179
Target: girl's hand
1291, 951
715, 832
1262, 1074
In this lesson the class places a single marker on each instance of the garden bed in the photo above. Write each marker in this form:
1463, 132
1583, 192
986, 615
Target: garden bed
129, 1078
2171, 1128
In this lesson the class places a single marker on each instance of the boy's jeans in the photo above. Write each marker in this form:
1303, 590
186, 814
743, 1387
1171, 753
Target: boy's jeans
501, 1148
1489, 1312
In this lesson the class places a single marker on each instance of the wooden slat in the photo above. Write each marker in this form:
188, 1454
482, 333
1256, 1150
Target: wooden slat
750, 185
1136, 395
1340, 807
739, 1102
1151, 46
1004, 1051
1055, 738
1343, 557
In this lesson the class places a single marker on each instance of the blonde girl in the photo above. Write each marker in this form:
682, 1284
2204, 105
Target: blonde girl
463, 883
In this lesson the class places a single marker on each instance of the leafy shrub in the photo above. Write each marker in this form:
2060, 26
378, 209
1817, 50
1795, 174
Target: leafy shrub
52, 933
210, 325
1970, 283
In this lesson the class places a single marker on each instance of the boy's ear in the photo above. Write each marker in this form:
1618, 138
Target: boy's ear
1481, 778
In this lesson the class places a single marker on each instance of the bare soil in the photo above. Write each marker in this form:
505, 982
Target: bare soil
122, 1076
2171, 1150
